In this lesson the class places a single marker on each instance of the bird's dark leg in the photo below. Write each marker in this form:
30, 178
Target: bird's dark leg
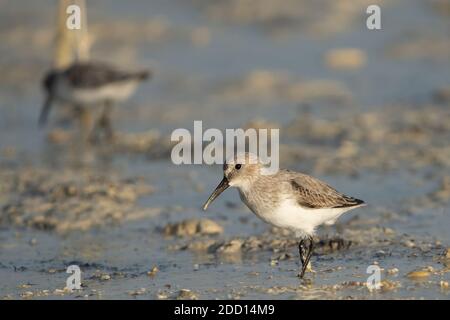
103, 125
86, 122
105, 121
301, 251
305, 258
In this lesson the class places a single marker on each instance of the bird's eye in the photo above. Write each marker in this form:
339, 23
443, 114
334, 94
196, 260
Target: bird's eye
237, 167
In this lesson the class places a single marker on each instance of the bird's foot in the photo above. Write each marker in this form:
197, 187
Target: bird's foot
302, 272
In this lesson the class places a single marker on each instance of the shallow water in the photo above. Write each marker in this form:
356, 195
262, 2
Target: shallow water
212, 82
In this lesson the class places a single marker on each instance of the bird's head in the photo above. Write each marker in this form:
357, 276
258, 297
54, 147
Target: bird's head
239, 171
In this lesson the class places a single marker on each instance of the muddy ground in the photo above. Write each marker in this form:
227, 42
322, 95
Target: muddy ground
366, 111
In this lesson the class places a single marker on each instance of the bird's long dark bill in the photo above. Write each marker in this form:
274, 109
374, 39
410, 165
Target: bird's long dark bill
45, 111
223, 185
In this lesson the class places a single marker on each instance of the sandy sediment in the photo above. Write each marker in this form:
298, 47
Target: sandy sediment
66, 200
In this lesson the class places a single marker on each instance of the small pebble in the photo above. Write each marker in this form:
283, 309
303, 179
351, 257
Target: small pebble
419, 274
233, 246
186, 294
105, 277
393, 271
447, 253
345, 58
153, 271
27, 294
192, 227
161, 296
59, 291
387, 285
137, 292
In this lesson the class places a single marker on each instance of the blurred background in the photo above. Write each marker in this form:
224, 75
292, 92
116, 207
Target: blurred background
365, 110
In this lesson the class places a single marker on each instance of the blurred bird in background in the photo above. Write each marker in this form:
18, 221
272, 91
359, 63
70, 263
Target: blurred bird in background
90, 88
88, 85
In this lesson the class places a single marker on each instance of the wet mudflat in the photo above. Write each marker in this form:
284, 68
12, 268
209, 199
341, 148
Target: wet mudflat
373, 121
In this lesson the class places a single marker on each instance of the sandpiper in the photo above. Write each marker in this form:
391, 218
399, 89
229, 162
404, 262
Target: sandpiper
285, 199
88, 84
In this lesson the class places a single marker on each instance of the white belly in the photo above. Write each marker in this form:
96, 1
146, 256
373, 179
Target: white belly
114, 92
303, 221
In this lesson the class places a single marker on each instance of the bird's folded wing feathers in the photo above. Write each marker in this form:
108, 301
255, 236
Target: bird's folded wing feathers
313, 193
85, 75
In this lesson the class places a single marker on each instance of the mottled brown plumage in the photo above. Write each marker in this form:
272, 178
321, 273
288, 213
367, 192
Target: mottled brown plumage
313, 193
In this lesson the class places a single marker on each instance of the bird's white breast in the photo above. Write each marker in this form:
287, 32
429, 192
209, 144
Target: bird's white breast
115, 92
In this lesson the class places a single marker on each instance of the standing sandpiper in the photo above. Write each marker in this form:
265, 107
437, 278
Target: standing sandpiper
285, 199
90, 84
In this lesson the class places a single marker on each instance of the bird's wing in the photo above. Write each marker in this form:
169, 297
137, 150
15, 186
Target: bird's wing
95, 74
313, 193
